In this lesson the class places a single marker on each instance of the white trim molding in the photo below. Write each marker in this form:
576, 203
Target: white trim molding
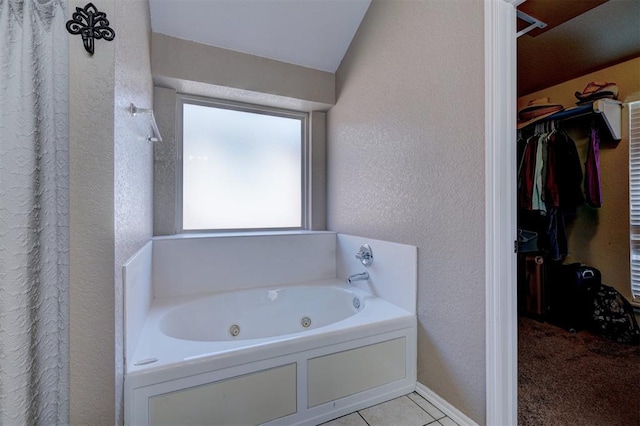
443, 405
500, 212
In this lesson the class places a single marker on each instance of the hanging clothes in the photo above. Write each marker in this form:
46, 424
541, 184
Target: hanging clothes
568, 173
526, 173
549, 188
537, 199
592, 183
557, 234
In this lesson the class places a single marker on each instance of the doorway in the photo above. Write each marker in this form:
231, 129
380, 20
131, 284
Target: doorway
501, 299
589, 226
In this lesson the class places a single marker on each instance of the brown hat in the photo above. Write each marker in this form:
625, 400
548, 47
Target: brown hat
536, 110
598, 90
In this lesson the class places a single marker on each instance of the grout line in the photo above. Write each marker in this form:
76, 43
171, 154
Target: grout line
410, 399
435, 419
365, 420
435, 422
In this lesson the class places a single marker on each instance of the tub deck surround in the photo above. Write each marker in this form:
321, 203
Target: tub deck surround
393, 275
193, 264
326, 347
138, 296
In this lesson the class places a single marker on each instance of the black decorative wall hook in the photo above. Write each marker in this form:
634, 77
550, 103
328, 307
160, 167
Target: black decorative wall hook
91, 24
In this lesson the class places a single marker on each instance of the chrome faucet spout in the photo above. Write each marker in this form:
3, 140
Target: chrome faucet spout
358, 277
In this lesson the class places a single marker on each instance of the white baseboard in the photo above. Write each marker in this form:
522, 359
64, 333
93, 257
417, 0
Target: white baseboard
444, 406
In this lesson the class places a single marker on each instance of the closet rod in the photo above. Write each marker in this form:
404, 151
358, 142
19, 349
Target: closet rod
535, 23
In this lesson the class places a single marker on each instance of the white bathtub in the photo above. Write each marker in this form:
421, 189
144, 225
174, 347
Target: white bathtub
298, 354
259, 313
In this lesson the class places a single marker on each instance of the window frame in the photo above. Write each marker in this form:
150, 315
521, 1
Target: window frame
305, 160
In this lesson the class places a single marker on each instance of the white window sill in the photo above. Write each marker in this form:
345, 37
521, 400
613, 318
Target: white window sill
188, 235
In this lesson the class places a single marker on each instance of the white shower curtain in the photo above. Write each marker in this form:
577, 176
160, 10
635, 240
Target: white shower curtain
34, 231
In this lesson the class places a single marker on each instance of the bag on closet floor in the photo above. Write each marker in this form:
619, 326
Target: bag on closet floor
613, 316
571, 295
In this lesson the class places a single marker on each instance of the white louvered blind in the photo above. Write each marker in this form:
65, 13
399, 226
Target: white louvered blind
634, 195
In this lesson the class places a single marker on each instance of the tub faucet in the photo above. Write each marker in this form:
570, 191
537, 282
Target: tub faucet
357, 277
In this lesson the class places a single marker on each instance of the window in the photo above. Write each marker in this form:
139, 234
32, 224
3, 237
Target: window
634, 195
243, 167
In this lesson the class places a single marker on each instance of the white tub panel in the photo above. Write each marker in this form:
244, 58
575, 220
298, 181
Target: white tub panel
341, 374
247, 400
141, 387
184, 266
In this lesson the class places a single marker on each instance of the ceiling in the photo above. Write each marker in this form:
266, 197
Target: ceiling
317, 33
605, 35
310, 33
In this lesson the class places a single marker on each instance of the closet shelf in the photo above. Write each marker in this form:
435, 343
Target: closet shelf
606, 112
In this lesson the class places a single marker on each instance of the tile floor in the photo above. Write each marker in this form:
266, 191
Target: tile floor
408, 410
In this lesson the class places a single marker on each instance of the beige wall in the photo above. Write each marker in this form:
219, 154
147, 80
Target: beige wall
92, 248
199, 69
165, 167
133, 157
406, 164
600, 237
110, 201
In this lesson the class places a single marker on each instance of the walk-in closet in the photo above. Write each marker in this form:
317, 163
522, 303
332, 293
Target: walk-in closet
578, 74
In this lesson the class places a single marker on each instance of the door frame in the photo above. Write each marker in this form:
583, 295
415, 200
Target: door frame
500, 212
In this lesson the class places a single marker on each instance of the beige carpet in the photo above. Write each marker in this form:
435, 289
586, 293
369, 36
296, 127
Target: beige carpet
575, 379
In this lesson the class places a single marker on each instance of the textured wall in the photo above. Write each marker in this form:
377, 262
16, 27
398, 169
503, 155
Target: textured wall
600, 237
91, 198
165, 190
195, 62
133, 156
111, 201
406, 164
318, 174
